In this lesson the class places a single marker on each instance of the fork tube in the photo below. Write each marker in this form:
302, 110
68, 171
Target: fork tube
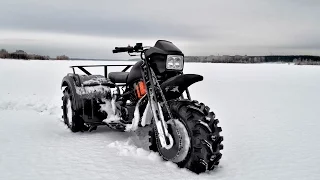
188, 94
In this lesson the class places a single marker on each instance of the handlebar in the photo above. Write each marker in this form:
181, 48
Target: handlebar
137, 48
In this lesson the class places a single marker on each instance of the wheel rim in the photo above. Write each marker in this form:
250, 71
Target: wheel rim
182, 144
69, 113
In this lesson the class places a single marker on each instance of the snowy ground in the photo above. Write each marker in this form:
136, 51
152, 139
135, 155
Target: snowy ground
268, 112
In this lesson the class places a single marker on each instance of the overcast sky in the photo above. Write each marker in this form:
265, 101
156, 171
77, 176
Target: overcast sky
91, 28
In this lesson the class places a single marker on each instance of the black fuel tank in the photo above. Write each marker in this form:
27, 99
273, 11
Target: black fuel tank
135, 73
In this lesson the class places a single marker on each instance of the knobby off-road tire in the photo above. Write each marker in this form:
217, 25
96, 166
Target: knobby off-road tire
203, 131
72, 119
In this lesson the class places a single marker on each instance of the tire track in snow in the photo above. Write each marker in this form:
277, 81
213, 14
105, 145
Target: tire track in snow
136, 145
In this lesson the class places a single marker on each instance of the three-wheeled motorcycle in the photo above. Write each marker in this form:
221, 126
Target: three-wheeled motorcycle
153, 93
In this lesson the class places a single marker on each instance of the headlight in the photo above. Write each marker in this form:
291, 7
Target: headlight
174, 62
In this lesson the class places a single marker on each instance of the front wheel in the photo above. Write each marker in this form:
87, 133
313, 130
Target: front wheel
199, 144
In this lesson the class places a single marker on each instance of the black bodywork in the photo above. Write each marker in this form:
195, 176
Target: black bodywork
173, 82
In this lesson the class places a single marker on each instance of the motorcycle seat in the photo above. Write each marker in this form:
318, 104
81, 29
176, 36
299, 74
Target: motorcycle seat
118, 77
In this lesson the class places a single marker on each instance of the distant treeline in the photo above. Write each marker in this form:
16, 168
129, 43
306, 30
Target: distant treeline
297, 59
20, 54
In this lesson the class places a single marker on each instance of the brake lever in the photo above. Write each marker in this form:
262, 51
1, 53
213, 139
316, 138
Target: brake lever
132, 54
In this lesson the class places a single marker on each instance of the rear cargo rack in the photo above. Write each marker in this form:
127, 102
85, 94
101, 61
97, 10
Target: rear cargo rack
82, 68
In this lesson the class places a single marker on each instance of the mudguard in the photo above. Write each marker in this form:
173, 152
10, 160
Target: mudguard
89, 92
175, 86
70, 82
87, 87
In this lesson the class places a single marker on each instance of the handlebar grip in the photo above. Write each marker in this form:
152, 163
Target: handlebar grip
123, 49
119, 49
115, 51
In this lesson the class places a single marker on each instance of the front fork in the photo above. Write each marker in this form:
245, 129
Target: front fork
153, 87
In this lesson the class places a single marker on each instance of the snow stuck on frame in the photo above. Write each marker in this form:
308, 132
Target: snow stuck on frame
92, 89
109, 108
147, 116
135, 122
136, 119
96, 80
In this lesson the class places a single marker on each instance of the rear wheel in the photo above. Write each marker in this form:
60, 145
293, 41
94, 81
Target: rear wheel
200, 142
70, 115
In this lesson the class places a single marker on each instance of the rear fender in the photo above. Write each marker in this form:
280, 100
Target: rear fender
175, 86
69, 81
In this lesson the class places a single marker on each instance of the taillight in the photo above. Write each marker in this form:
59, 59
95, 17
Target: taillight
141, 89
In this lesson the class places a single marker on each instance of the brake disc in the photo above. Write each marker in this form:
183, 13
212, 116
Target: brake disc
181, 145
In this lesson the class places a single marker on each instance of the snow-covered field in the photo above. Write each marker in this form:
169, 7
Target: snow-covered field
269, 114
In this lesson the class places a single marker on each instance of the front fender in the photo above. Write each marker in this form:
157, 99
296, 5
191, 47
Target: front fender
175, 86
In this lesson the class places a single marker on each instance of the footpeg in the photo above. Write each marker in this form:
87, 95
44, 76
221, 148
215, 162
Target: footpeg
92, 128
